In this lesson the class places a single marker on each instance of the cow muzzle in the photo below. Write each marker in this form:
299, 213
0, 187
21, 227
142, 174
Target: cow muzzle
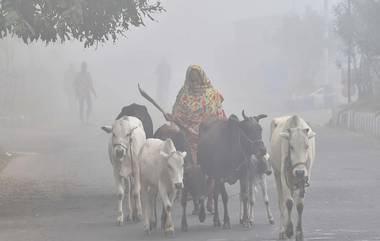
299, 173
268, 172
178, 185
119, 151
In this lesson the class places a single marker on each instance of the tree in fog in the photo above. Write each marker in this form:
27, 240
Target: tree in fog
89, 21
300, 42
357, 24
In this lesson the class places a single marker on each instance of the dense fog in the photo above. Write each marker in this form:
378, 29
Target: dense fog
246, 48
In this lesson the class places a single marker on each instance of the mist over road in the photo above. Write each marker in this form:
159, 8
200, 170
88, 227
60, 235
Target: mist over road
60, 187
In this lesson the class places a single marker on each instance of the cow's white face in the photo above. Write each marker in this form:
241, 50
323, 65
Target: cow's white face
175, 165
299, 140
121, 132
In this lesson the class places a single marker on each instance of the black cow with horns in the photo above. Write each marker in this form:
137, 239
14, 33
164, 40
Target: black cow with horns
225, 152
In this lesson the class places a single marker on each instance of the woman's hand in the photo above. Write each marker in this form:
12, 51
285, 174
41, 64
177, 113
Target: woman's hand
169, 117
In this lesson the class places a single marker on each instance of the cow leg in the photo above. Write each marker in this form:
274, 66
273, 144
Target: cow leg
196, 205
163, 218
127, 199
120, 196
289, 225
299, 206
152, 209
244, 199
202, 210
252, 197
240, 209
216, 210
277, 177
136, 196
184, 203
264, 189
210, 192
145, 208
226, 218
167, 200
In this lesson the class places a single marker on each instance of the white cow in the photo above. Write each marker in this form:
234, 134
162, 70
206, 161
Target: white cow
161, 169
292, 155
128, 137
257, 180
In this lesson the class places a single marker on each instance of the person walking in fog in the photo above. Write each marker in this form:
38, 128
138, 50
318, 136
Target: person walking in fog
163, 82
84, 89
196, 102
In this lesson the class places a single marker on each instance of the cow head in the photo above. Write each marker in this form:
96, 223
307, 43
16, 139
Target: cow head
175, 163
121, 132
253, 131
262, 165
251, 138
299, 144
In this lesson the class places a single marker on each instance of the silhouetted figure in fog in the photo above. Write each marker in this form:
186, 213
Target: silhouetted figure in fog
68, 79
163, 82
84, 89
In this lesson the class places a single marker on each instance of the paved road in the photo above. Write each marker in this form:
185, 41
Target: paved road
60, 188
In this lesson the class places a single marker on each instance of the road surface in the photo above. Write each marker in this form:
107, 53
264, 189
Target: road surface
60, 188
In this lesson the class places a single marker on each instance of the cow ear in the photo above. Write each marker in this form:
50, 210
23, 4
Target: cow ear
233, 120
164, 155
285, 135
183, 154
259, 117
107, 129
311, 134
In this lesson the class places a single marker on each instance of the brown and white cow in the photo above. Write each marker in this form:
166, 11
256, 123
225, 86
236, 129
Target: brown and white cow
292, 154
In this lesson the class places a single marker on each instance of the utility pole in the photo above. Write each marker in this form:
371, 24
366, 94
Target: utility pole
327, 42
349, 53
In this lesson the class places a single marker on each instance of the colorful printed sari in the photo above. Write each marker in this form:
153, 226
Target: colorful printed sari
196, 102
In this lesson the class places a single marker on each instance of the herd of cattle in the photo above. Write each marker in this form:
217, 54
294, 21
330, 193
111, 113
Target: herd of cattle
147, 165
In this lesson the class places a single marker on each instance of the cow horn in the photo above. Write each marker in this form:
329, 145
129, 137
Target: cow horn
259, 117
244, 116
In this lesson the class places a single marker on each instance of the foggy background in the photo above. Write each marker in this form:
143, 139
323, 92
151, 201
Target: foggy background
279, 57
257, 53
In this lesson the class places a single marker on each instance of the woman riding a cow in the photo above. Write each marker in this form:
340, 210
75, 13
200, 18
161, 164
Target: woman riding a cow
197, 101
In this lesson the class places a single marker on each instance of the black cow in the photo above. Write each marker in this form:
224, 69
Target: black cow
224, 153
194, 181
141, 112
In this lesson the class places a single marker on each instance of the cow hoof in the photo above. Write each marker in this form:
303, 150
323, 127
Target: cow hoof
169, 233
241, 221
247, 225
152, 225
299, 236
271, 221
202, 215
136, 218
227, 225
184, 225
128, 218
217, 223
289, 230
184, 228
147, 232
282, 236
120, 221
251, 223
